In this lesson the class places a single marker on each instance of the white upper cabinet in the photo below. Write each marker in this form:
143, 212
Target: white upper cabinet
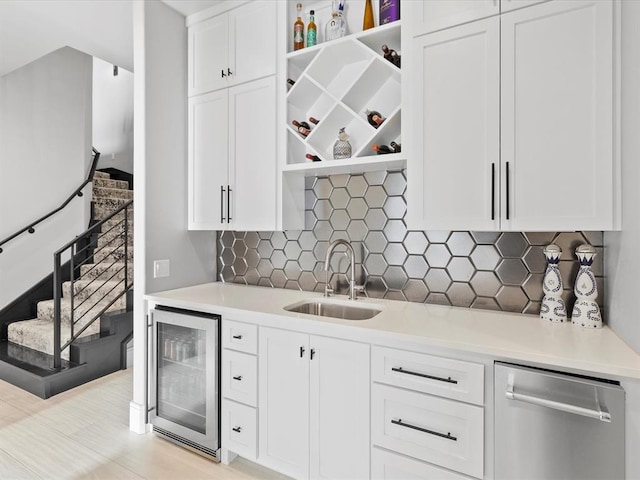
508, 5
512, 121
226, 50
557, 117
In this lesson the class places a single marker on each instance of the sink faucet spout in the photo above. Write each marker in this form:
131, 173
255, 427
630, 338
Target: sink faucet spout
353, 288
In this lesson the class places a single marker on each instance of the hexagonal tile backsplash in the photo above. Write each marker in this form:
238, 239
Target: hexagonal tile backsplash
488, 270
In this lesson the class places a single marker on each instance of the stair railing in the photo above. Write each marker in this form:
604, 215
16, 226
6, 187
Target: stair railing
77, 193
105, 291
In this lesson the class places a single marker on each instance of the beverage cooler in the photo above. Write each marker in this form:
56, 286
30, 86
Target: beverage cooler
184, 403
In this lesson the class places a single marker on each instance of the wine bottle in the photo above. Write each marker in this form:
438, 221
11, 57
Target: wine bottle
302, 130
298, 30
312, 34
396, 147
313, 120
313, 158
290, 83
374, 118
391, 55
367, 21
381, 149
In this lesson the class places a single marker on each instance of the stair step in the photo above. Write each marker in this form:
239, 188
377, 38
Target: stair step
104, 192
115, 237
112, 254
93, 290
105, 270
38, 334
82, 314
105, 207
108, 183
98, 174
118, 222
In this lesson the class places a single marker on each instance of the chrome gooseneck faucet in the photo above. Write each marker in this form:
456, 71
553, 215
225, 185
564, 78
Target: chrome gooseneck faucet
353, 288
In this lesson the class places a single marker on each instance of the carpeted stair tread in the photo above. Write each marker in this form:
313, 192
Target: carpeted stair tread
114, 241
93, 290
38, 334
105, 270
46, 310
112, 254
107, 183
99, 174
103, 192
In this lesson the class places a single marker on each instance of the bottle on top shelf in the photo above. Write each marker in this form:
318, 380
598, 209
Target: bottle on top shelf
374, 118
389, 11
313, 158
298, 30
312, 33
302, 127
382, 149
342, 147
367, 21
337, 26
397, 148
391, 55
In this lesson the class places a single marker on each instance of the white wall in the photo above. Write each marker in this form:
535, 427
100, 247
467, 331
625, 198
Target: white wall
45, 152
113, 116
160, 174
622, 263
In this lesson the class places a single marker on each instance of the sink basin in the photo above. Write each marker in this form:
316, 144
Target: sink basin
341, 310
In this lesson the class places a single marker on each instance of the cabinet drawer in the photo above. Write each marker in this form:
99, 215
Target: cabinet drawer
391, 466
240, 336
425, 373
436, 430
239, 429
240, 377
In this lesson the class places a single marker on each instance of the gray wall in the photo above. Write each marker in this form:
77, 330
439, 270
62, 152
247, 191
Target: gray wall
623, 261
45, 151
498, 271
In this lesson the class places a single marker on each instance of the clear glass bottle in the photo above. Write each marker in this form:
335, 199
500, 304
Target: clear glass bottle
336, 27
342, 147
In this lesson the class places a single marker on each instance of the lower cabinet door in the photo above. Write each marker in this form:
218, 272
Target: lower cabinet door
239, 429
339, 409
386, 465
439, 431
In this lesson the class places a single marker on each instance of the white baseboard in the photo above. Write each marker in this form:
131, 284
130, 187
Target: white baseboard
138, 418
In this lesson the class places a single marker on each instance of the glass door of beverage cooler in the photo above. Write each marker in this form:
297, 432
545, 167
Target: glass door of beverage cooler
185, 403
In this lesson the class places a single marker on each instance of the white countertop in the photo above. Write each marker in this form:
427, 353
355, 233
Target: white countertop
502, 335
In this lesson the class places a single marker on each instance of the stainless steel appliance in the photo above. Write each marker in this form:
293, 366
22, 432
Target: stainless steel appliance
185, 379
552, 425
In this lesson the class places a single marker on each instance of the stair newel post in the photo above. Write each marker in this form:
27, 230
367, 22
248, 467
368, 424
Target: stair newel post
57, 309
73, 286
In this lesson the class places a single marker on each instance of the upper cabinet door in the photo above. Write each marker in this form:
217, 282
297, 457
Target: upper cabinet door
454, 114
208, 56
252, 29
557, 117
508, 5
252, 150
208, 160
431, 15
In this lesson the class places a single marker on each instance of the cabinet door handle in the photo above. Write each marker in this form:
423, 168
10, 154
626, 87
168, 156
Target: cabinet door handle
301, 352
229, 72
507, 188
228, 204
238, 378
222, 219
222, 73
493, 191
237, 429
312, 353
238, 337
447, 435
423, 375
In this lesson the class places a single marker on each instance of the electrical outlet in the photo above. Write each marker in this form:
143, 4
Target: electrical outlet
161, 268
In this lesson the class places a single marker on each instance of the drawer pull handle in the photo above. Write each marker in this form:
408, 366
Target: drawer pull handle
447, 435
424, 375
238, 337
239, 378
237, 429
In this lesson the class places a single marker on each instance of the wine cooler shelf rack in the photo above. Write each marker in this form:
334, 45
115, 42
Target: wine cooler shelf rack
339, 83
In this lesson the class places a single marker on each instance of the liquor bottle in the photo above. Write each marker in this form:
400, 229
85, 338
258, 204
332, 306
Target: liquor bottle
391, 55
374, 118
313, 158
381, 149
342, 147
302, 130
312, 34
313, 120
336, 27
396, 147
586, 312
389, 11
552, 307
290, 83
367, 21
298, 30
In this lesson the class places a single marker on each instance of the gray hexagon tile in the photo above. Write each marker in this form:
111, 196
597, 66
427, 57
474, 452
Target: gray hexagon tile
489, 270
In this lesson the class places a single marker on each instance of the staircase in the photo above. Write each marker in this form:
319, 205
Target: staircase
97, 288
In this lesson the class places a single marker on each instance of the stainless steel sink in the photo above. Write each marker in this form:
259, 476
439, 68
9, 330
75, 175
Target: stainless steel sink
333, 309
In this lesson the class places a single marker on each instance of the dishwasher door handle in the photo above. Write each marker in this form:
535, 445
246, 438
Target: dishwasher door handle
603, 415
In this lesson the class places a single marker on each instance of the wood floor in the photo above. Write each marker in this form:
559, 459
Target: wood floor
83, 433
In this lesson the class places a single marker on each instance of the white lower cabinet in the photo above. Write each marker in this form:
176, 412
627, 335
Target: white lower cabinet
436, 430
313, 405
386, 465
239, 429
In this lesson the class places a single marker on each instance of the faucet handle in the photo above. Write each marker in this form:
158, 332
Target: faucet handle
328, 289
358, 289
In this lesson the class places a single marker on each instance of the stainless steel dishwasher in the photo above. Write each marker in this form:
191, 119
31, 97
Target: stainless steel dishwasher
552, 425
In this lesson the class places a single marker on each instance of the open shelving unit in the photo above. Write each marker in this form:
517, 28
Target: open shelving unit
337, 82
